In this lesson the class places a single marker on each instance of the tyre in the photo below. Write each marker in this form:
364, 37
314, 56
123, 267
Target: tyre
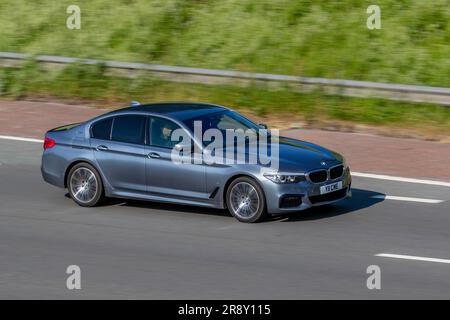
85, 185
245, 200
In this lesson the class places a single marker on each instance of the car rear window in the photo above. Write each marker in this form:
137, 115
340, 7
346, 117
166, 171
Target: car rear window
102, 129
129, 129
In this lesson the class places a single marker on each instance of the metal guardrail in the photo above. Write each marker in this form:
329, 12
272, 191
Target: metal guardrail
411, 93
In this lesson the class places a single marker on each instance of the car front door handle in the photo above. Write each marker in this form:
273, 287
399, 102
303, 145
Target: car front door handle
102, 148
154, 155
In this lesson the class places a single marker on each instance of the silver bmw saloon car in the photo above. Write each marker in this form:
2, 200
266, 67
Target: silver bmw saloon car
129, 153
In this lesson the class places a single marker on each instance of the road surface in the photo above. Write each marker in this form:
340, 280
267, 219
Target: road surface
136, 250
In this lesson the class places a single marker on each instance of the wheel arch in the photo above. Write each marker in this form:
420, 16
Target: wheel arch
234, 177
74, 163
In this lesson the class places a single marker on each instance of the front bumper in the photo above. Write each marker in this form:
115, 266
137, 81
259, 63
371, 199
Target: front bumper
309, 193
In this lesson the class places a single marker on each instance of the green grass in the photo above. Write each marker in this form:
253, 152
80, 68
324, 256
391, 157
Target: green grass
320, 38
93, 84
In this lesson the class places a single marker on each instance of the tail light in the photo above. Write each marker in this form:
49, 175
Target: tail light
49, 143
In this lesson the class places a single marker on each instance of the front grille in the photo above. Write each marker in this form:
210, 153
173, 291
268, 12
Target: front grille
336, 195
336, 172
318, 176
291, 201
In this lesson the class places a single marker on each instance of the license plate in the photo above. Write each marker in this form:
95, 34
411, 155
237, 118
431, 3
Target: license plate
331, 187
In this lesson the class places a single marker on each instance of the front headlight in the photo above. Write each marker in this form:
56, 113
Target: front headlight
285, 178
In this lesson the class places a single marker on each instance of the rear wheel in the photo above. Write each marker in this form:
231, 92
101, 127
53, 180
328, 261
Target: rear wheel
85, 185
245, 200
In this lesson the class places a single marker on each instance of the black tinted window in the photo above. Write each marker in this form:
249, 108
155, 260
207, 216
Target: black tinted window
129, 129
102, 129
161, 133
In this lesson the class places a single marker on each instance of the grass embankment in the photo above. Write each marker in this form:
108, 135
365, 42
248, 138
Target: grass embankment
320, 38
281, 107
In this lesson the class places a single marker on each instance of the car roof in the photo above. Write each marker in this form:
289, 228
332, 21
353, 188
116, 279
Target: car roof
176, 110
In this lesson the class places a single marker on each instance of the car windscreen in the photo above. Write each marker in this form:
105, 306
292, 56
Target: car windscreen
221, 120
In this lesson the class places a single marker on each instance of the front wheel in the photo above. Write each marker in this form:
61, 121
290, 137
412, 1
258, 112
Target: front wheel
85, 185
245, 200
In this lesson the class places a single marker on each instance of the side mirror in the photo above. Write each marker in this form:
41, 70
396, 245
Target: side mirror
135, 104
263, 126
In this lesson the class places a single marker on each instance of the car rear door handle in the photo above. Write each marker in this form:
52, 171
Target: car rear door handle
154, 155
102, 148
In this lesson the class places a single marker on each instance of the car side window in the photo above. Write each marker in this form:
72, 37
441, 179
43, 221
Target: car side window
129, 129
102, 129
161, 132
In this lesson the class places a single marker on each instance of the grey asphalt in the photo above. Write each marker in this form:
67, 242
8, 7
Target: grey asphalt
142, 250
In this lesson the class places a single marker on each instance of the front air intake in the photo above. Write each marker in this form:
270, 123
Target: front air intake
291, 201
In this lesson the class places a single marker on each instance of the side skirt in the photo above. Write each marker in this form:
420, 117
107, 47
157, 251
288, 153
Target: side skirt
210, 203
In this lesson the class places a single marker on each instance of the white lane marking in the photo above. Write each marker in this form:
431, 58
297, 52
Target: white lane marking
21, 139
401, 179
401, 256
386, 197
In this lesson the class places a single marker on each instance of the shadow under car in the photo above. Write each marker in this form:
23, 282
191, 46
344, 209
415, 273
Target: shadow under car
360, 199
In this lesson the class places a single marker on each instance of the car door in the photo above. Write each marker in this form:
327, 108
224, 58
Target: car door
166, 177
119, 148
